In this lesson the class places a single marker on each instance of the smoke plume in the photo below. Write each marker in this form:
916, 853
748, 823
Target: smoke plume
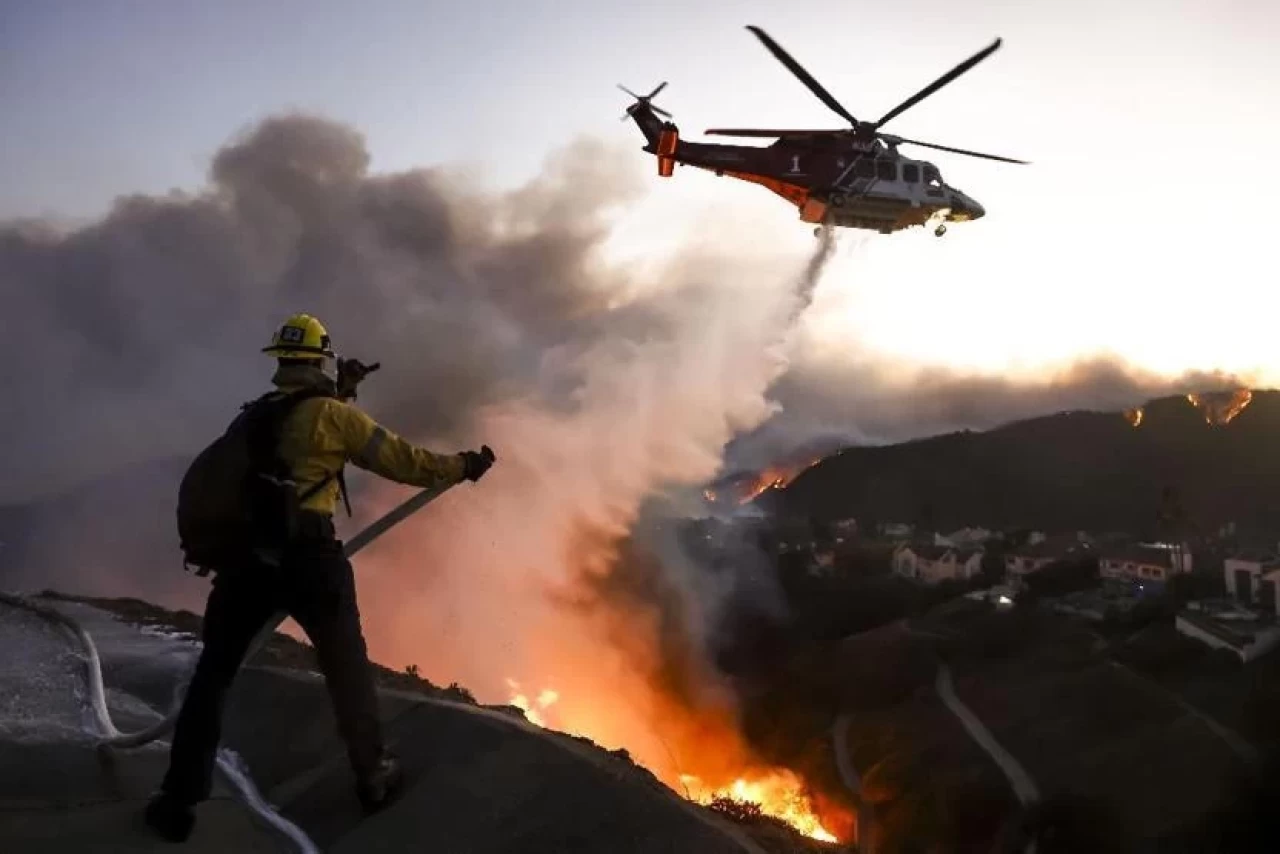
497, 320
824, 403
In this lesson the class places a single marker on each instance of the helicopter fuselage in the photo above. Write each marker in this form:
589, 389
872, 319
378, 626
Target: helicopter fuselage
832, 179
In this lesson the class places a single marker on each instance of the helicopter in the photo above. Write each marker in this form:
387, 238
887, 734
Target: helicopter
851, 178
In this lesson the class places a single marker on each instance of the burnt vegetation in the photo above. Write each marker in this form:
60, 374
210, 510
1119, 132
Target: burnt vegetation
1070, 471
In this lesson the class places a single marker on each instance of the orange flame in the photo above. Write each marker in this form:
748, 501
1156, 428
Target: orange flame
544, 701
1133, 416
778, 793
551, 597
1220, 407
774, 477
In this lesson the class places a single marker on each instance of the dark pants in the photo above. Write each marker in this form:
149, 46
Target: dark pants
315, 585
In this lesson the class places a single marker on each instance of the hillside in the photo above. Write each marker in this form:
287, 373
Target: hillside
1120, 763
479, 778
1072, 470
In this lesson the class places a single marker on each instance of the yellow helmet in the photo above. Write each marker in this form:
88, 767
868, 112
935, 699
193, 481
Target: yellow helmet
301, 337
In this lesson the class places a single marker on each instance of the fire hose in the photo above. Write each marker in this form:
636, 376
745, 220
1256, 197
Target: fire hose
230, 763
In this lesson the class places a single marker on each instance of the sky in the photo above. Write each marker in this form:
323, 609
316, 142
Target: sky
1141, 229
1141, 232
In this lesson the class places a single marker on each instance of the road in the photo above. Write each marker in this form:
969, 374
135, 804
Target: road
853, 782
1023, 786
1232, 739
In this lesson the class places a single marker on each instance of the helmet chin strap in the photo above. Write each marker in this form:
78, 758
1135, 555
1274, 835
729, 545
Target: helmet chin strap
329, 367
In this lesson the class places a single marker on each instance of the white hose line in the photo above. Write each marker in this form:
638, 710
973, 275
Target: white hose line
230, 763
115, 738
235, 770
97, 691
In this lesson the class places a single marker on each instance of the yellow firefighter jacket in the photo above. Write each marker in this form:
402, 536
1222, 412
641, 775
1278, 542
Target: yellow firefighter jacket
322, 434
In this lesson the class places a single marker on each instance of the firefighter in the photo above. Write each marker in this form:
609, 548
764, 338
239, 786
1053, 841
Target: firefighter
312, 580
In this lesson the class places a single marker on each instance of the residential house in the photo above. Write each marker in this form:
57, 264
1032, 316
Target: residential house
896, 530
931, 563
823, 563
844, 528
963, 538
905, 560
1253, 578
1043, 551
1145, 563
1002, 596
1231, 627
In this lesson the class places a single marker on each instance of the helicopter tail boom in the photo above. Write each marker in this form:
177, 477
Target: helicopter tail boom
645, 113
662, 138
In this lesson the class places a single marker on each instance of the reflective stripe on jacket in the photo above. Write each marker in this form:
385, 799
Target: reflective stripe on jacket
324, 433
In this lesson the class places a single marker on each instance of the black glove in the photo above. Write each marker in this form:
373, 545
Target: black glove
476, 463
350, 373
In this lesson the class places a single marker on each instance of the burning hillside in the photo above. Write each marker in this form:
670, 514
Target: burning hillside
744, 487
1220, 407
777, 793
627, 663
499, 321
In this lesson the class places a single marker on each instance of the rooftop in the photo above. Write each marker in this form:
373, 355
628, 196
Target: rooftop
1055, 546
1146, 554
1265, 558
1228, 621
933, 551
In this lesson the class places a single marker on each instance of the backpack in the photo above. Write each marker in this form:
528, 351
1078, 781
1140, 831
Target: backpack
238, 500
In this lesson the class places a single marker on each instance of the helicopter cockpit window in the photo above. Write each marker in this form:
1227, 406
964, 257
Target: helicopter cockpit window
911, 173
886, 170
864, 168
931, 176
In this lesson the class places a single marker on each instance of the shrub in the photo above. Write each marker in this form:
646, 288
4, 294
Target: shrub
457, 692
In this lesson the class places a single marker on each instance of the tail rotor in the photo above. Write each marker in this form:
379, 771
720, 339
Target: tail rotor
647, 100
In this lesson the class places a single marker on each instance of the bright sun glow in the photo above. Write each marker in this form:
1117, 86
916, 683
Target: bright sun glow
1006, 295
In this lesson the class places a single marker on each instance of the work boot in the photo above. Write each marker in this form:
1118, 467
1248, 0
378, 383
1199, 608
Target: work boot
380, 787
171, 818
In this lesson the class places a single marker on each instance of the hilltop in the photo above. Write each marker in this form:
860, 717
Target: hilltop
480, 778
1071, 470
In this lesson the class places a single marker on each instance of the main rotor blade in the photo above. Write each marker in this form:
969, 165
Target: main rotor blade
805, 77
897, 139
940, 82
774, 133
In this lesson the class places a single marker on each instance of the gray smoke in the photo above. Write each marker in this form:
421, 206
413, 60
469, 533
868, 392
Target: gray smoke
140, 333
132, 339
136, 336
824, 406
495, 318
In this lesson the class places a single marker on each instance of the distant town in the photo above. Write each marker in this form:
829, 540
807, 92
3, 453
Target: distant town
1219, 590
